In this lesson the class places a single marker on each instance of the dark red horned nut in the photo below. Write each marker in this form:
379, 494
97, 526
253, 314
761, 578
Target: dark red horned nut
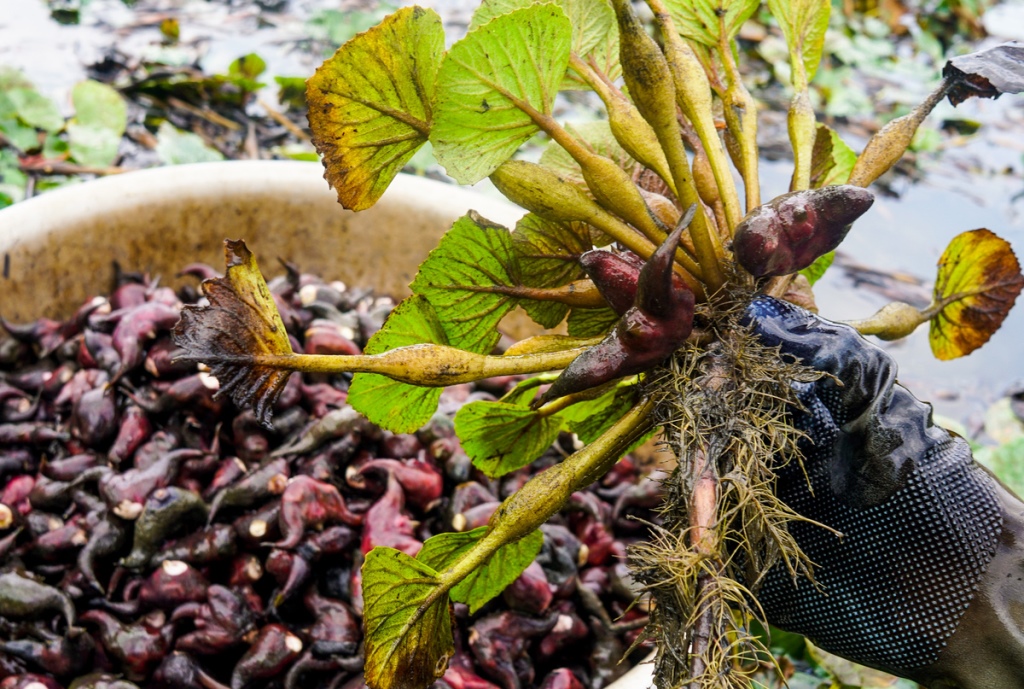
420, 479
387, 524
614, 275
308, 503
267, 481
139, 648
271, 652
657, 324
788, 233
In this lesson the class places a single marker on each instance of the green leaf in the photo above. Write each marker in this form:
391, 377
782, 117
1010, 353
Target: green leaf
175, 147
699, 20
548, 254
248, 67
487, 581
515, 61
369, 105
1007, 462
407, 622
101, 117
473, 256
501, 437
590, 418
35, 109
396, 406
291, 91
978, 281
598, 135
591, 322
803, 23
831, 159
595, 32
816, 270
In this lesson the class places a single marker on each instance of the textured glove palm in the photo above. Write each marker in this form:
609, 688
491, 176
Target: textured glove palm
911, 587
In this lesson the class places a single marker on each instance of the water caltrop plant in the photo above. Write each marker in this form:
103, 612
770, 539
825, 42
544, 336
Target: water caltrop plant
639, 240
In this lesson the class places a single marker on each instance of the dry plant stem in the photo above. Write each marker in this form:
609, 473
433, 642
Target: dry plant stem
649, 79
703, 513
423, 364
777, 286
741, 116
280, 118
693, 91
887, 146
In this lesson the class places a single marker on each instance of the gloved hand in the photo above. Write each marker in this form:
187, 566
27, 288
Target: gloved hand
926, 582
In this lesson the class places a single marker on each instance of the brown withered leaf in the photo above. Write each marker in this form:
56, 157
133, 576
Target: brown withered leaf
978, 281
240, 323
987, 73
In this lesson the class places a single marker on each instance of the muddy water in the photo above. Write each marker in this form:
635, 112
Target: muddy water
976, 183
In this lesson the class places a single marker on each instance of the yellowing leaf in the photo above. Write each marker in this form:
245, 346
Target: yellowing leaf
803, 23
489, 82
473, 256
501, 437
978, 281
699, 20
391, 404
240, 323
487, 581
369, 105
407, 622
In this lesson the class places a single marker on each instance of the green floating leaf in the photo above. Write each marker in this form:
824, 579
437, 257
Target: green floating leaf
803, 23
591, 322
548, 254
485, 582
369, 105
407, 622
816, 270
702, 20
101, 117
590, 418
488, 80
978, 281
501, 437
831, 159
457, 278
396, 406
248, 66
35, 109
175, 147
595, 32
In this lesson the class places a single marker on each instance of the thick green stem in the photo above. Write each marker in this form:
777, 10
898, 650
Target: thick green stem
628, 126
741, 117
650, 82
693, 91
547, 492
428, 365
802, 127
891, 141
541, 191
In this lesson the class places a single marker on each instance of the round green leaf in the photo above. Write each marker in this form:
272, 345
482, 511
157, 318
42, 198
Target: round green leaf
489, 83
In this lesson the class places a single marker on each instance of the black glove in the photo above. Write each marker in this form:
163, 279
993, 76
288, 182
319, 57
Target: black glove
929, 537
